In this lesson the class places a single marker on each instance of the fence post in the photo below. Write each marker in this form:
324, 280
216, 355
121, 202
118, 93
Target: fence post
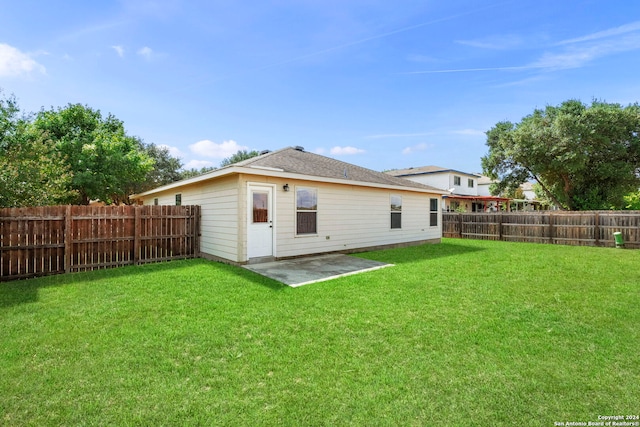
596, 229
68, 239
551, 228
196, 212
460, 223
499, 225
136, 234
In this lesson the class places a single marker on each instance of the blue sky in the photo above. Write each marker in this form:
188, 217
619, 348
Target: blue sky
381, 84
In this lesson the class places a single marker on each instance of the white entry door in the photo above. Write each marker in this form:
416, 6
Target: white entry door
260, 222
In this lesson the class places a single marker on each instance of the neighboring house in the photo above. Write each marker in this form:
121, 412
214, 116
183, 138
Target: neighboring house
528, 191
289, 203
529, 201
484, 185
464, 191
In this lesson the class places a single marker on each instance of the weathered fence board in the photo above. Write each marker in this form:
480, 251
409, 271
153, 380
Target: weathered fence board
592, 228
57, 239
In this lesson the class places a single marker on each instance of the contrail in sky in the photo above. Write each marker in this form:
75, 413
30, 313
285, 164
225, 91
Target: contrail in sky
350, 44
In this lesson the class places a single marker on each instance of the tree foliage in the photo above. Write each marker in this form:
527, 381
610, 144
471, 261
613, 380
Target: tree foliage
583, 157
190, 173
238, 157
74, 155
166, 168
104, 161
632, 201
31, 171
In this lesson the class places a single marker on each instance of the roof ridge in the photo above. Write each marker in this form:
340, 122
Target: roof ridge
296, 160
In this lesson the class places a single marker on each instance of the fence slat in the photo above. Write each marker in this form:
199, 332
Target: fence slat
57, 239
592, 228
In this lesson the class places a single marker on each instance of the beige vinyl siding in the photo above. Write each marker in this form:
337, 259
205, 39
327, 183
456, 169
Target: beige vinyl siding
349, 217
352, 217
219, 225
219, 207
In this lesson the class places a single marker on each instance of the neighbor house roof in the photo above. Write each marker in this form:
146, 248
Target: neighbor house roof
294, 162
485, 180
424, 170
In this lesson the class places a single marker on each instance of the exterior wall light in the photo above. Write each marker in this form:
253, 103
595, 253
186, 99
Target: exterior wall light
285, 187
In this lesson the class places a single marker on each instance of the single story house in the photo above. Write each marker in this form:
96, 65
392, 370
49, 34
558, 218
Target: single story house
290, 202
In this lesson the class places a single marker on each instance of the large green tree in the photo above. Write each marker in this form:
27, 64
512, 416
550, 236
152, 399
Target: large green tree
104, 161
166, 169
583, 156
31, 171
238, 157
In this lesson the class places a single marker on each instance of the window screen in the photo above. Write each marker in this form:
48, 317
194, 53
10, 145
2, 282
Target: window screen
433, 212
396, 211
306, 211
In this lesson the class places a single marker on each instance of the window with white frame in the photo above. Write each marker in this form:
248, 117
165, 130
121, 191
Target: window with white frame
396, 211
433, 212
456, 180
178, 199
470, 183
306, 210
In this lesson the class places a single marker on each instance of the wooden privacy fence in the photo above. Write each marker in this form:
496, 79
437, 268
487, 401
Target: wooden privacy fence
62, 239
589, 228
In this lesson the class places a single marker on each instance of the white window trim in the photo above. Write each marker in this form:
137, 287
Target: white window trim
391, 211
295, 207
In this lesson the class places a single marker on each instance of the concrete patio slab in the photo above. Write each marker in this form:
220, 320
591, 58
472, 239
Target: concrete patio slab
303, 271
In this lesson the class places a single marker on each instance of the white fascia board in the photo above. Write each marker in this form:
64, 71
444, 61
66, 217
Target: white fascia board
313, 178
205, 177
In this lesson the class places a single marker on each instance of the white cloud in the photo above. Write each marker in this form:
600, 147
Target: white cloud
146, 52
576, 56
415, 148
198, 164
338, 151
14, 63
214, 150
623, 29
119, 50
174, 151
580, 51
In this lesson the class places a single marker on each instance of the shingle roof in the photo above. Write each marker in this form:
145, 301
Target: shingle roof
426, 170
294, 160
485, 180
297, 161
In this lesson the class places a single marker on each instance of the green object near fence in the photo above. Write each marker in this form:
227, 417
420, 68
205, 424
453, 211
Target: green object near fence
619, 240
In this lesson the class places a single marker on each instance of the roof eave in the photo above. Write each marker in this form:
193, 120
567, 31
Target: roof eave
248, 170
439, 171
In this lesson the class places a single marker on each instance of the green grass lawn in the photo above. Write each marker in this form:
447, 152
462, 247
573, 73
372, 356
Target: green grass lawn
463, 333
